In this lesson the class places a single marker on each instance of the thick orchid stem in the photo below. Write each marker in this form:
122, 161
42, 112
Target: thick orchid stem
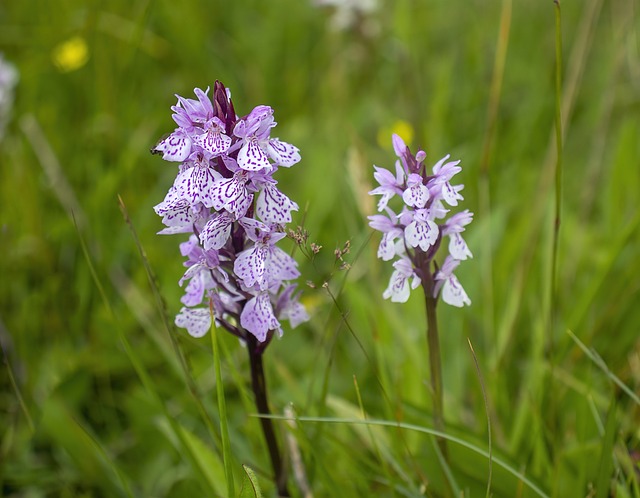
259, 385
435, 363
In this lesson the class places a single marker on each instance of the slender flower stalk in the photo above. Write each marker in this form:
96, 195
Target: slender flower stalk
226, 198
413, 237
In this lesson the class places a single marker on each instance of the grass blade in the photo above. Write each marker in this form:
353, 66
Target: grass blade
222, 406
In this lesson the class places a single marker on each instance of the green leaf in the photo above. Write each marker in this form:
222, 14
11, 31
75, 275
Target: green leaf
250, 484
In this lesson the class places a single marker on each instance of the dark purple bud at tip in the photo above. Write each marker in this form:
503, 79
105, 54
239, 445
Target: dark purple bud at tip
223, 107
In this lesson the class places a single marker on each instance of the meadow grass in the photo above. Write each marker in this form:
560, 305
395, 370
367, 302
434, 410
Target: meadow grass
103, 396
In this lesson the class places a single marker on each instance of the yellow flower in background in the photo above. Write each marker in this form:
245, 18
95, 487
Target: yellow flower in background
71, 54
401, 128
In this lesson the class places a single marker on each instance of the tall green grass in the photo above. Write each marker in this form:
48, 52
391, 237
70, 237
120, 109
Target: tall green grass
103, 396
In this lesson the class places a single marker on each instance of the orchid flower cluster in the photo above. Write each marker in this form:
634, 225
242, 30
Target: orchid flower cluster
225, 197
415, 234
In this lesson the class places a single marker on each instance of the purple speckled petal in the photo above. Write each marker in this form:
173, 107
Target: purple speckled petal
251, 156
450, 194
213, 139
250, 265
226, 191
398, 289
195, 184
387, 247
273, 206
240, 204
423, 234
176, 147
281, 266
258, 318
215, 233
416, 194
194, 292
283, 153
197, 321
297, 314
177, 213
454, 294
255, 230
458, 247
289, 307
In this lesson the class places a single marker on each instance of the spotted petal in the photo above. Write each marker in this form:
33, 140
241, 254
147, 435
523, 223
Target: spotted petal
281, 266
251, 156
177, 213
258, 318
454, 294
416, 194
283, 153
273, 206
194, 292
458, 247
387, 247
195, 184
214, 142
231, 194
421, 233
176, 147
216, 232
450, 194
197, 321
250, 265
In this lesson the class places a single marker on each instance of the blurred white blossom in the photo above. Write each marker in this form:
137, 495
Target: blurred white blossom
348, 13
8, 81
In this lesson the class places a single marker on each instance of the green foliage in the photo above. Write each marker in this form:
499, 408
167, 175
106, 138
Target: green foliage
102, 397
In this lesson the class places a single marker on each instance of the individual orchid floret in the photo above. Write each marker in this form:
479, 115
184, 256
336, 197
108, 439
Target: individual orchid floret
217, 230
416, 194
415, 235
422, 232
452, 291
178, 214
176, 147
290, 308
453, 227
258, 317
391, 232
273, 206
197, 321
389, 185
190, 114
225, 196
264, 263
440, 187
197, 180
399, 286
232, 194
214, 140
257, 146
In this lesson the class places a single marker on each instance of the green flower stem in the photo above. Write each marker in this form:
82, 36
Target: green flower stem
258, 383
435, 362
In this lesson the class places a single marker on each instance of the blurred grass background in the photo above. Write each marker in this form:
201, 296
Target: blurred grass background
473, 79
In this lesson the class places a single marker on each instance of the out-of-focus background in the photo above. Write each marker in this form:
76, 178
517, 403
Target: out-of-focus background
90, 94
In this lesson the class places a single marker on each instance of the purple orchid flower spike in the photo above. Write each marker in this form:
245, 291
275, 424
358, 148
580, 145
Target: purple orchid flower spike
414, 237
225, 195
419, 226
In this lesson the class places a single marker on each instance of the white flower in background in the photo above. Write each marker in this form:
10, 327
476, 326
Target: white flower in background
347, 13
8, 81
